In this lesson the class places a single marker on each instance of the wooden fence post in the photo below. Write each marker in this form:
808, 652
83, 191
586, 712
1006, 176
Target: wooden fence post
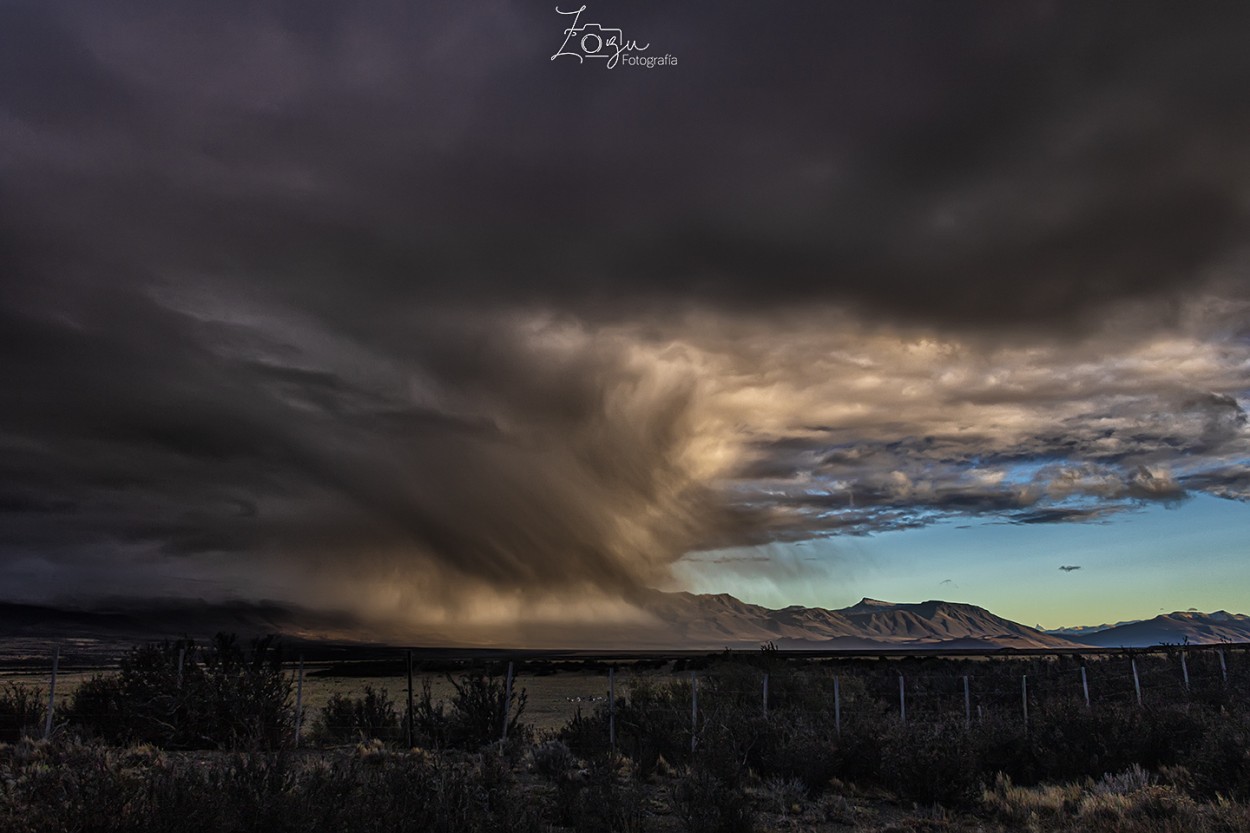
182, 656
1024, 698
766, 694
411, 710
1085, 686
694, 711
837, 707
1136, 681
507, 704
47, 725
299, 701
1223, 667
1185, 670
902, 699
612, 707
967, 702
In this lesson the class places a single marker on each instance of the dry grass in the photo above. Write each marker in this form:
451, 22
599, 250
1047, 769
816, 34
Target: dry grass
1129, 802
144, 788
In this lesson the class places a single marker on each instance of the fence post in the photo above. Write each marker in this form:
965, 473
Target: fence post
837, 707
902, 699
1024, 698
694, 711
612, 707
507, 704
766, 694
1136, 681
299, 700
1185, 671
182, 655
47, 726
967, 702
1085, 686
1223, 667
411, 714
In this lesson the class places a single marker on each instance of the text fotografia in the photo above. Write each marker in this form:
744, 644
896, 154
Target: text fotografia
591, 41
649, 61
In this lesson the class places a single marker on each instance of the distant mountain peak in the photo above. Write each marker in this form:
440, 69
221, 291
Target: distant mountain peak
1176, 628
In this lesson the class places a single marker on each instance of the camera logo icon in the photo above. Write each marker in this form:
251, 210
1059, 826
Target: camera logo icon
596, 41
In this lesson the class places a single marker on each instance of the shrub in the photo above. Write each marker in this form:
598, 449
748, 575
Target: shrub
783, 795
706, 804
247, 697
931, 762
478, 709
475, 716
87, 787
1220, 763
345, 719
21, 712
553, 759
171, 695
654, 722
1134, 779
803, 747
1016, 806
586, 736
598, 799
99, 709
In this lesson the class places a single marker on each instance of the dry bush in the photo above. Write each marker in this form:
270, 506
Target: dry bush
344, 719
21, 711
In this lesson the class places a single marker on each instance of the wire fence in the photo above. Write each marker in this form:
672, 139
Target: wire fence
606, 694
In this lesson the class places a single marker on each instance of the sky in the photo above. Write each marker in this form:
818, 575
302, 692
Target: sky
428, 313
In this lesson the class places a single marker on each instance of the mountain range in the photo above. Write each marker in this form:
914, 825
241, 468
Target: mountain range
673, 621
1170, 629
715, 620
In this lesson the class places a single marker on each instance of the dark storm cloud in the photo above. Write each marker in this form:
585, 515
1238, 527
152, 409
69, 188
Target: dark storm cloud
175, 447
380, 291
983, 166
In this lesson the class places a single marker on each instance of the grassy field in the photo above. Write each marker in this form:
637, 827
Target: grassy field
553, 699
